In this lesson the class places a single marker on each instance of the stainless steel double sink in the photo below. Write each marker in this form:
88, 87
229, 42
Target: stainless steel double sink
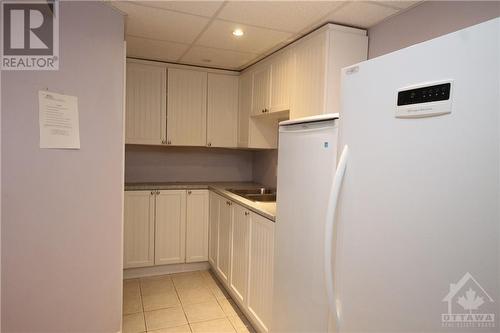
257, 195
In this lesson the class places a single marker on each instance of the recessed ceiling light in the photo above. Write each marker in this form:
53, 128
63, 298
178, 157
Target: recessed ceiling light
238, 32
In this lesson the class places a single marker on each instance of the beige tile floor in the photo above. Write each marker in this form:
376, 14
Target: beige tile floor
180, 303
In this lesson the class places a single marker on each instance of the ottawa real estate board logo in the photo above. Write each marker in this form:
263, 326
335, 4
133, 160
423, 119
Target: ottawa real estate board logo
30, 35
469, 305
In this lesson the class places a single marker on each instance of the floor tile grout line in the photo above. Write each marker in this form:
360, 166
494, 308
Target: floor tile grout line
236, 311
182, 305
206, 280
216, 300
142, 305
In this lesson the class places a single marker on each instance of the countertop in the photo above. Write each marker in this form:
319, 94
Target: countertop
266, 209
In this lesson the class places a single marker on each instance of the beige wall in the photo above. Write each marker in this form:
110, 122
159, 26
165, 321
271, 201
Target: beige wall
62, 209
183, 164
426, 21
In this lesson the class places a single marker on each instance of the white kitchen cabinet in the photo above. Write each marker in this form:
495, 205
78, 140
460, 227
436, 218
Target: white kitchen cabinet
170, 230
239, 252
318, 60
222, 110
186, 107
197, 225
244, 263
139, 219
253, 132
310, 76
224, 238
244, 107
263, 133
260, 89
280, 86
260, 275
146, 109
213, 241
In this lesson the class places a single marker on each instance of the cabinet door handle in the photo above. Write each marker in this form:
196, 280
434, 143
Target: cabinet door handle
189, 192
247, 213
157, 192
152, 192
163, 141
263, 110
209, 144
169, 142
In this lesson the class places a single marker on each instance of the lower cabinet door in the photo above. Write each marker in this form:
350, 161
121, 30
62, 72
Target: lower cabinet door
239, 253
139, 220
170, 235
213, 233
197, 225
224, 254
260, 275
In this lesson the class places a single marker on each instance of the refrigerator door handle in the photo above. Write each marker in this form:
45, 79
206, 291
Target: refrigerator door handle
329, 232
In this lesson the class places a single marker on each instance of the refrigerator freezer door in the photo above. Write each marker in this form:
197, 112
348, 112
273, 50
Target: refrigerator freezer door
306, 164
419, 205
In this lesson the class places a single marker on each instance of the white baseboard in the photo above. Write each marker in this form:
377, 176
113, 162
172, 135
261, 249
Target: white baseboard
132, 273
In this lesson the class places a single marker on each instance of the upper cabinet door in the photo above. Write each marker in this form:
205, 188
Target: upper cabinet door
310, 77
170, 235
145, 104
281, 75
138, 235
187, 107
244, 108
222, 110
197, 225
260, 95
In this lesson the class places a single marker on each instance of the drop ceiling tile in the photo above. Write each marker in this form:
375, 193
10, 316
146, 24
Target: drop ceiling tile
291, 16
200, 55
399, 4
202, 8
161, 24
154, 49
361, 14
255, 40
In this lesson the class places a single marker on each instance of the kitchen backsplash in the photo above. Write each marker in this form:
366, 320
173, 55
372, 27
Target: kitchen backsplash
183, 164
186, 164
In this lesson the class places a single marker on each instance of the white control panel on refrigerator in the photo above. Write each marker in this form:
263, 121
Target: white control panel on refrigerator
424, 100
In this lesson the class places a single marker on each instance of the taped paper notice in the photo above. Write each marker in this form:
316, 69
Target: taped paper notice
58, 117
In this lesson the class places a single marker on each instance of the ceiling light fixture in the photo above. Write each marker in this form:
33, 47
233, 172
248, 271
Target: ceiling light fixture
238, 32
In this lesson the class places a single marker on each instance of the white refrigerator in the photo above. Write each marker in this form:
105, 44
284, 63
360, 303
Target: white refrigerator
411, 217
306, 165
